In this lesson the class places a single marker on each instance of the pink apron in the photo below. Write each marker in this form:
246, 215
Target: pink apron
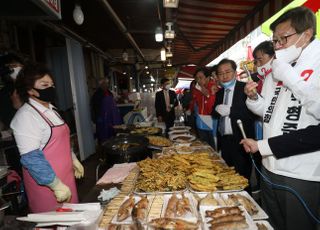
57, 152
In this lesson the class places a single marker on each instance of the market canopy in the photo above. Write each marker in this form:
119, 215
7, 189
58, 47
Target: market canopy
207, 28
204, 28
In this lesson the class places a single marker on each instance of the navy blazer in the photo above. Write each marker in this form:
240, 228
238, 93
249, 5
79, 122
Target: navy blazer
238, 110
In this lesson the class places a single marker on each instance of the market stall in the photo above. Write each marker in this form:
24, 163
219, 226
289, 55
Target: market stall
183, 184
186, 185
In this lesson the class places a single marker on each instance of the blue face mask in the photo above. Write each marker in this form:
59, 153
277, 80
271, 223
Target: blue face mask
228, 84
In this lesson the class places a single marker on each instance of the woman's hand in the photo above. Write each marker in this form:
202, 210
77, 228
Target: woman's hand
61, 191
204, 91
214, 89
78, 168
250, 145
251, 90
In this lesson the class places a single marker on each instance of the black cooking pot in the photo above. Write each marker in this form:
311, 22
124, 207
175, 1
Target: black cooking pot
128, 148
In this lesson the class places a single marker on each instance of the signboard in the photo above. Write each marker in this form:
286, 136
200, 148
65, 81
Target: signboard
51, 7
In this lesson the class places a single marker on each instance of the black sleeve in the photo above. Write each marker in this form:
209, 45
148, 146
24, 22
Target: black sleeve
214, 113
297, 142
7, 111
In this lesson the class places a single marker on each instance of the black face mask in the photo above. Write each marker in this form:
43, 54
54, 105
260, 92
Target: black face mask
47, 94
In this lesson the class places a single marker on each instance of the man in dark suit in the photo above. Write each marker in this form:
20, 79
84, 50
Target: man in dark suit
165, 102
228, 108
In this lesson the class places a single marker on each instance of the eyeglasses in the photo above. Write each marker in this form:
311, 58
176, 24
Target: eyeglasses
282, 40
220, 74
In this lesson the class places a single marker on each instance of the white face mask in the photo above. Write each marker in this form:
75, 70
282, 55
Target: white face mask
15, 72
167, 87
291, 53
265, 69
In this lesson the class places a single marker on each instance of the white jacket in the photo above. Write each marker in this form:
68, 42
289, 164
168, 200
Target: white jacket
289, 107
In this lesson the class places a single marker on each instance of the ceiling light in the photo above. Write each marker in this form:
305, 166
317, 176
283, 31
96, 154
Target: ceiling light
159, 34
163, 54
170, 3
125, 55
147, 72
124, 73
152, 78
146, 67
130, 78
169, 53
169, 63
78, 16
169, 34
144, 86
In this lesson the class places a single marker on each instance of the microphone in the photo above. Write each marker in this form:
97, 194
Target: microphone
239, 122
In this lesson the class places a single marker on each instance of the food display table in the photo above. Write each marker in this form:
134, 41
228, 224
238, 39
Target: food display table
209, 201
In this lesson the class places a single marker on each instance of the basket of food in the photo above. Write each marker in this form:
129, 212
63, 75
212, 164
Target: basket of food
184, 138
146, 130
160, 175
158, 141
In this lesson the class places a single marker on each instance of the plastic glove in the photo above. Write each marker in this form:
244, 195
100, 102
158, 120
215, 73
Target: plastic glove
61, 191
251, 90
78, 168
285, 72
223, 110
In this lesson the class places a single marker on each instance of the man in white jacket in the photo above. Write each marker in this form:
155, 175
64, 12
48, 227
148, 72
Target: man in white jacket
287, 105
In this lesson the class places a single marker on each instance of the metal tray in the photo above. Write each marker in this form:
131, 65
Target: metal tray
159, 192
129, 219
265, 223
217, 191
258, 216
191, 216
203, 209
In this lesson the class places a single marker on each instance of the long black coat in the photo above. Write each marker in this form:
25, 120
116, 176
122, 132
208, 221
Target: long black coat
160, 105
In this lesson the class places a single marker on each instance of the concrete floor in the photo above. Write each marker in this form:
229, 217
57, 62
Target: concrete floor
85, 184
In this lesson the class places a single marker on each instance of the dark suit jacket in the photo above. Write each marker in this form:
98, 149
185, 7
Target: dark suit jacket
160, 105
296, 142
238, 110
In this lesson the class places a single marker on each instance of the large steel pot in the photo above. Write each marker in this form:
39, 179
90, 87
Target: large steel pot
128, 148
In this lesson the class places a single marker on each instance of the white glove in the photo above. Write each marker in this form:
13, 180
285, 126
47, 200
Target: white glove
284, 72
61, 191
188, 112
223, 110
78, 168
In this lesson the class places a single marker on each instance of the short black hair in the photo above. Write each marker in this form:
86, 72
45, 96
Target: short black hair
27, 78
214, 69
301, 18
227, 61
11, 58
204, 70
164, 80
265, 47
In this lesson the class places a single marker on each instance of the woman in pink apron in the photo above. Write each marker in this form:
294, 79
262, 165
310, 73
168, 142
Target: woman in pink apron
43, 139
